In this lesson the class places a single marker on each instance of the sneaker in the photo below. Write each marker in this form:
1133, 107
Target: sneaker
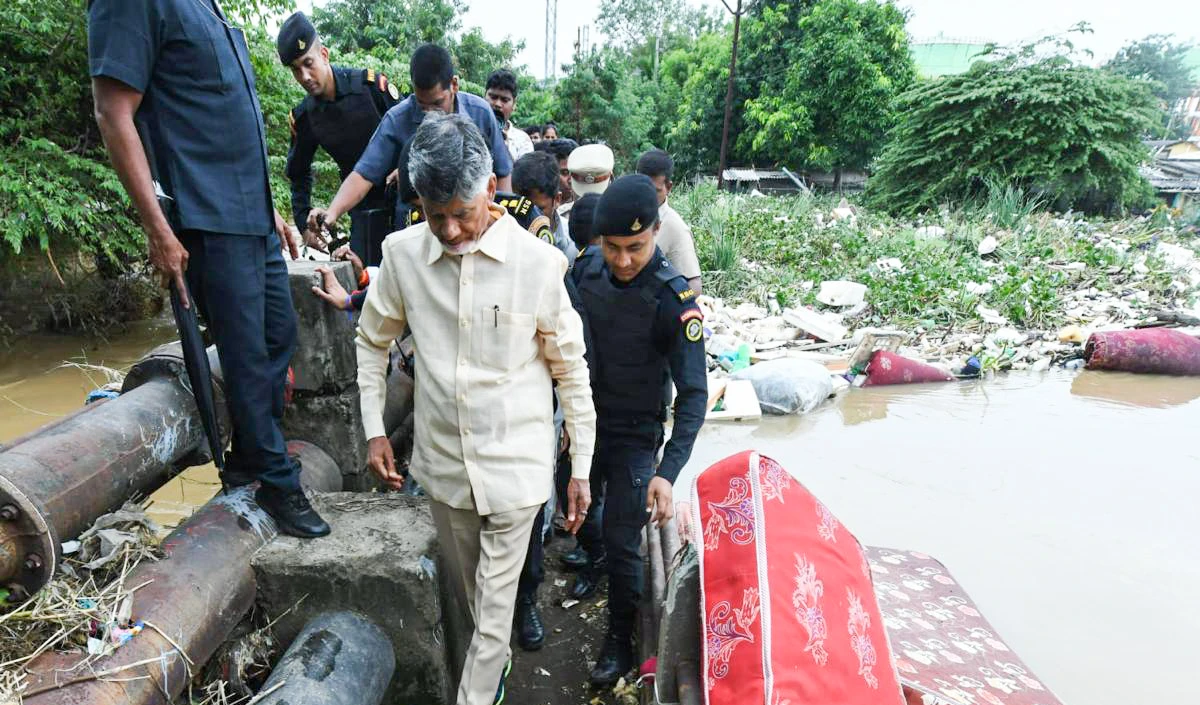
292, 512
500, 688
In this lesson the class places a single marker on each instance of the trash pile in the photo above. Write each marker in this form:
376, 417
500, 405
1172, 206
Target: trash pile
793, 358
87, 607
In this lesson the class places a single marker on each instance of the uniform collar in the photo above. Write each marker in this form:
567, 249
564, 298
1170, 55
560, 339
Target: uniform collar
657, 260
493, 242
341, 82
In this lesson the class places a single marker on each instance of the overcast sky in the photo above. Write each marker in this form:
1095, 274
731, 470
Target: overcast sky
1116, 22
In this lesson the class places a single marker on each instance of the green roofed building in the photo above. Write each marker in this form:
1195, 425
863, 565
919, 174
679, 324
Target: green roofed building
945, 57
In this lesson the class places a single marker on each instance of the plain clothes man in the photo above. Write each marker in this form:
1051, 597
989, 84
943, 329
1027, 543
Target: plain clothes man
492, 328
340, 113
501, 92
180, 72
647, 331
674, 236
435, 90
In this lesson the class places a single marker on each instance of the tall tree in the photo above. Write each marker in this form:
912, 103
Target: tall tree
1157, 58
351, 25
596, 102
834, 102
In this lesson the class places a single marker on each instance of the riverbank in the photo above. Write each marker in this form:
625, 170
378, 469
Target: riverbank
998, 279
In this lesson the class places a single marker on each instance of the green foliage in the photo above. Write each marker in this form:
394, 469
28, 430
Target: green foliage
399, 25
1157, 59
596, 102
693, 103
752, 248
1070, 133
834, 99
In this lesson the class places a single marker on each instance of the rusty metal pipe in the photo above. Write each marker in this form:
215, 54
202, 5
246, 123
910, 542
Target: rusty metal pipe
688, 680
195, 596
318, 471
658, 572
339, 658
54, 483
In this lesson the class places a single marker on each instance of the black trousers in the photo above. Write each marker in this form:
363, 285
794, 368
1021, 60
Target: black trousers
622, 468
240, 286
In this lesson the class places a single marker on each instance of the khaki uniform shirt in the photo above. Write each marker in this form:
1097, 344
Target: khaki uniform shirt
675, 240
490, 329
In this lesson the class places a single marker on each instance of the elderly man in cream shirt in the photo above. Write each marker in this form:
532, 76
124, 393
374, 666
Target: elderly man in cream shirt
492, 327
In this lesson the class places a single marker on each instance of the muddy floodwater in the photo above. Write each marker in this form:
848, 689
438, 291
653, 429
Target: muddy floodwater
1065, 503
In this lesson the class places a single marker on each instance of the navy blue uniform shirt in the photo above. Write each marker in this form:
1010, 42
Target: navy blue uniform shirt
199, 106
678, 336
304, 142
401, 122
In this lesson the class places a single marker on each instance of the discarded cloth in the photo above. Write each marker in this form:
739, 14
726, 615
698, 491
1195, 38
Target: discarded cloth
1148, 351
889, 368
789, 613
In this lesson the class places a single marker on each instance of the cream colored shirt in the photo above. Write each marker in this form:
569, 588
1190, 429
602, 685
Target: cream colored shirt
518, 142
675, 240
490, 329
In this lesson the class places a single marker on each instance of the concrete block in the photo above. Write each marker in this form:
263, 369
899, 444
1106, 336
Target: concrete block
334, 423
324, 360
381, 560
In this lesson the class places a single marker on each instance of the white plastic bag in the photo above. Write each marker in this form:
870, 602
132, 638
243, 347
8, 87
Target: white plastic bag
788, 385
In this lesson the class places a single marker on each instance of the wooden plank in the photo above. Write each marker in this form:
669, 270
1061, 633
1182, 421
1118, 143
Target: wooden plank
716, 390
740, 402
815, 324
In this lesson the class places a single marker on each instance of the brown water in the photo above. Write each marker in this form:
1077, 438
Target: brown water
1064, 503
43, 377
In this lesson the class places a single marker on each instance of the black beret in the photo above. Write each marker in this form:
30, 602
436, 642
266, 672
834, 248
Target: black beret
628, 207
296, 36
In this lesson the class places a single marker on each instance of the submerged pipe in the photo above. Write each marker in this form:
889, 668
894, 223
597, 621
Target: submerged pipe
194, 596
339, 658
54, 482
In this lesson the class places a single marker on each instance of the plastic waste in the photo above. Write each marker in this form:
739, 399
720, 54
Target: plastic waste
742, 361
788, 385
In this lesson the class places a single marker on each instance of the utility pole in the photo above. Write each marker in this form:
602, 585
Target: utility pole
737, 25
551, 40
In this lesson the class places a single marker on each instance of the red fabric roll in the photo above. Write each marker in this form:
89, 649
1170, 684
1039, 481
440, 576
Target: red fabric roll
889, 368
788, 607
1148, 351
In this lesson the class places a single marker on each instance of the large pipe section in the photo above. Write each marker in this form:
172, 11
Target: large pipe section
339, 658
54, 482
193, 598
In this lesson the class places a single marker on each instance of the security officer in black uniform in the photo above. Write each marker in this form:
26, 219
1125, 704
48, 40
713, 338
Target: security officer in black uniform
646, 332
340, 113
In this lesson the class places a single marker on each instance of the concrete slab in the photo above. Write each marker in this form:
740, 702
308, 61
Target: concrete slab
334, 423
324, 360
380, 561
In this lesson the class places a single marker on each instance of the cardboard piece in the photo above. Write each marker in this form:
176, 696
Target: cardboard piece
740, 402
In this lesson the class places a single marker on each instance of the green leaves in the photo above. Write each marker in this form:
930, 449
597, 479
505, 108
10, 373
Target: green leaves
1069, 133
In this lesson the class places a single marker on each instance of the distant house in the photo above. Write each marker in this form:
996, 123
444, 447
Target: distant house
765, 181
1174, 171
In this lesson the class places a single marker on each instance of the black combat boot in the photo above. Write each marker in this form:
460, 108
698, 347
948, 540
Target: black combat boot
531, 634
291, 512
616, 658
587, 580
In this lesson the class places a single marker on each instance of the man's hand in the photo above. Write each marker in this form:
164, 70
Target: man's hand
382, 462
332, 292
315, 240
286, 241
320, 220
658, 501
170, 259
345, 253
579, 500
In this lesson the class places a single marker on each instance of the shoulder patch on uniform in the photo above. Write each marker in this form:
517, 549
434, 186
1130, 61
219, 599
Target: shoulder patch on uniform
686, 295
693, 324
415, 217
522, 205
370, 75
541, 227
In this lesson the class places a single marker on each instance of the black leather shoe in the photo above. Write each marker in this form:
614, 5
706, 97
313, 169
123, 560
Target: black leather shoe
291, 512
616, 658
587, 581
575, 559
531, 634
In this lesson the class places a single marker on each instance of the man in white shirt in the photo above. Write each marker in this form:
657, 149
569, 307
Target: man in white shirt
492, 327
501, 92
674, 236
